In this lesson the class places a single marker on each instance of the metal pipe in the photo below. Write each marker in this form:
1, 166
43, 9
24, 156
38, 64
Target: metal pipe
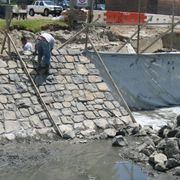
149, 24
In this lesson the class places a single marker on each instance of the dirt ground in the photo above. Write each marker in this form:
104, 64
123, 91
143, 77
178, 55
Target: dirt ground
104, 38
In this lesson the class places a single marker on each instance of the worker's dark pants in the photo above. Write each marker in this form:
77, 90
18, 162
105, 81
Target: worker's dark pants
44, 53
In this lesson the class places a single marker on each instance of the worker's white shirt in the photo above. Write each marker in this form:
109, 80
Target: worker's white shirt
27, 47
49, 38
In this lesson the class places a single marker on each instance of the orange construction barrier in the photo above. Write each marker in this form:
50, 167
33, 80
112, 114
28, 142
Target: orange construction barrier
115, 17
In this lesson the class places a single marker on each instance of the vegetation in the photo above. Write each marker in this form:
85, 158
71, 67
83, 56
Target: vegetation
35, 25
2, 24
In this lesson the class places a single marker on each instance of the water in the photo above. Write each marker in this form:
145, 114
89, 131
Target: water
118, 171
157, 118
129, 171
93, 161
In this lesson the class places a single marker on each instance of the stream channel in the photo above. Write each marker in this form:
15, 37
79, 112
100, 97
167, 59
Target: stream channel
96, 160
91, 161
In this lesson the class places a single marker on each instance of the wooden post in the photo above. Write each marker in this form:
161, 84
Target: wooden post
90, 16
89, 19
8, 17
71, 15
172, 26
139, 20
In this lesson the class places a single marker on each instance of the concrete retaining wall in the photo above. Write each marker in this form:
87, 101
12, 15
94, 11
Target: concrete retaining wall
146, 81
78, 99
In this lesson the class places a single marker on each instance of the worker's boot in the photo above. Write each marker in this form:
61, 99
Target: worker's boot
38, 68
46, 69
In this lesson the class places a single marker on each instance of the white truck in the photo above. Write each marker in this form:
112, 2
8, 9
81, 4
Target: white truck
44, 8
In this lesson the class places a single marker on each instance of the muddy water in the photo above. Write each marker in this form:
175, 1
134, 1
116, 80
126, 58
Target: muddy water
157, 118
97, 160
64, 161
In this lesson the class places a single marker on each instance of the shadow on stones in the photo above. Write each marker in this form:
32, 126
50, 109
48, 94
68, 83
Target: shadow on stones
39, 77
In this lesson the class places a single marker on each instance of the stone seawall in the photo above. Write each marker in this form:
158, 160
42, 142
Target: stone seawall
78, 99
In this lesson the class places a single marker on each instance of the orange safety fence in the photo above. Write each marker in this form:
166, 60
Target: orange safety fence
115, 17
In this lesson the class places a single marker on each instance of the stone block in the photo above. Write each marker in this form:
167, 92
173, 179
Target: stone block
78, 118
36, 122
101, 123
89, 124
102, 87
81, 69
12, 126
3, 99
10, 115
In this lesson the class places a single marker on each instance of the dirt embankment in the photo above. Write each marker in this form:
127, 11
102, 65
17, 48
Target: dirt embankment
106, 38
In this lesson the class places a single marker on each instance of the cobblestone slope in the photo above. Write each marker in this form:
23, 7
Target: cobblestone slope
78, 99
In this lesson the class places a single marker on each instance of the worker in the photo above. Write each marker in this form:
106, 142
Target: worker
26, 45
43, 46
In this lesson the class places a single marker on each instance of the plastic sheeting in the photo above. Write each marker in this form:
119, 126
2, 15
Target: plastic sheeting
145, 81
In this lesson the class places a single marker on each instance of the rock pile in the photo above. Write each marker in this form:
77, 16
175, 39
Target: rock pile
166, 154
78, 15
161, 149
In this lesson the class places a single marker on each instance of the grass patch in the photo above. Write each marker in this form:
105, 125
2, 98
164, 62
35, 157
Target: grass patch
2, 24
36, 25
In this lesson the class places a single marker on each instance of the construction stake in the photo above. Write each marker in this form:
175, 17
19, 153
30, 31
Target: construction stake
162, 35
134, 34
73, 37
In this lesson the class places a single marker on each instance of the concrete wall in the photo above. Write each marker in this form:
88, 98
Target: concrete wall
146, 81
